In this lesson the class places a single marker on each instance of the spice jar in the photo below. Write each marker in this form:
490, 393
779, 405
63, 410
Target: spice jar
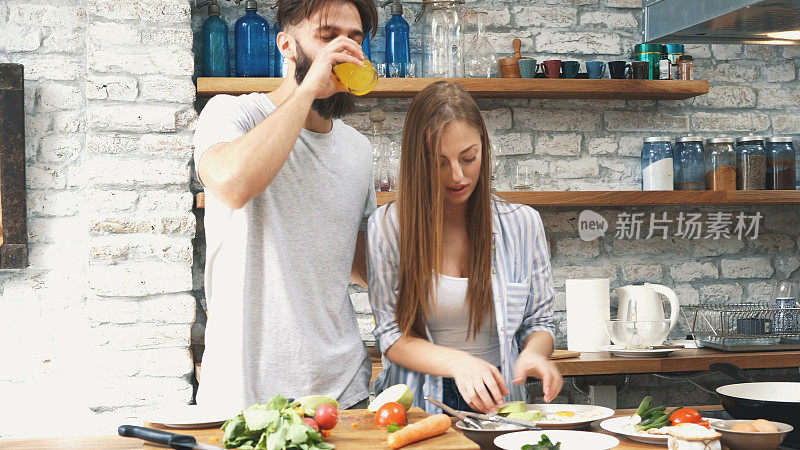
689, 164
751, 163
720, 164
780, 163
657, 170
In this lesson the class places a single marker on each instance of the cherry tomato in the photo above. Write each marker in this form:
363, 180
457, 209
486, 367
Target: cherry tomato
685, 415
326, 417
390, 412
311, 422
704, 423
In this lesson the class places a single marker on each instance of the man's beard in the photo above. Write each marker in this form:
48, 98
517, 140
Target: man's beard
337, 105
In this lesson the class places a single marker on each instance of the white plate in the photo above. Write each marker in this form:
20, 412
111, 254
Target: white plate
586, 415
570, 440
636, 352
190, 416
619, 425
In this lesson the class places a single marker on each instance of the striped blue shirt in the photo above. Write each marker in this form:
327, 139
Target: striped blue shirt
522, 287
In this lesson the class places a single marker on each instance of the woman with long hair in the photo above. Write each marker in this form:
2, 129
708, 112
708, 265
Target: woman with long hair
459, 280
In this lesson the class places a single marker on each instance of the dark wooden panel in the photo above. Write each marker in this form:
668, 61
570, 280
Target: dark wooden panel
13, 226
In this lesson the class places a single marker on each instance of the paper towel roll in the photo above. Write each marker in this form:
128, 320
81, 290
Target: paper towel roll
588, 308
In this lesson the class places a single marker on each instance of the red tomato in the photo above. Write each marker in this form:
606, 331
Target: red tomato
685, 415
311, 422
704, 423
326, 416
390, 412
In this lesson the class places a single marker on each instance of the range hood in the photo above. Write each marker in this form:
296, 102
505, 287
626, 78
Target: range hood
721, 21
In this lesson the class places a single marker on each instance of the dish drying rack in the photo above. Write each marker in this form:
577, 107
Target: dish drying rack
743, 327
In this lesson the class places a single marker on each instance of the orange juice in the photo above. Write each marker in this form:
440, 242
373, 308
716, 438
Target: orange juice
359, 80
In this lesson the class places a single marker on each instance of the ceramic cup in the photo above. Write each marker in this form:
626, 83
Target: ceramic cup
640, 70
552, 68
618, 69
528, 68
570, 68
595, 69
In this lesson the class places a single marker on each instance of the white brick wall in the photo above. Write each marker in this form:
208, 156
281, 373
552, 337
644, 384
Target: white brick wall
105, 309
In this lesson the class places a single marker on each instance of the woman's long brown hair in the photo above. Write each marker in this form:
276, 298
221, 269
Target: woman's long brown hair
420, 204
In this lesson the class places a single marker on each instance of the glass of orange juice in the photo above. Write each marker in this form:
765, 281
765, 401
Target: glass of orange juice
358, 80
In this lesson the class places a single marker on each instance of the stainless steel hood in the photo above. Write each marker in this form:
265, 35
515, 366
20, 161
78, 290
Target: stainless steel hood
720, 21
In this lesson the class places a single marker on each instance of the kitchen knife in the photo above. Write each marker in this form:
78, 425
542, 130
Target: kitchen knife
177, 441
455, 413
495, 418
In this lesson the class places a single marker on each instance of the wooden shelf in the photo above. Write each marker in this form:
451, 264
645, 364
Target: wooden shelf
492, 87
624, 198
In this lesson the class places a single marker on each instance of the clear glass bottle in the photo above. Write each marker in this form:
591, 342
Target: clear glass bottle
657, 168
689, 164
751, 163
379, 149
780, 163
393, 165
442, 39
720, 164
480, 60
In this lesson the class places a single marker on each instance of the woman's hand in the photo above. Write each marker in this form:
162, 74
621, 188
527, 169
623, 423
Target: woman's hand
535, 364
480, 383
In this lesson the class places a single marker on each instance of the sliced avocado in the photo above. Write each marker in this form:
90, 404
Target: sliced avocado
533, 415
512, 407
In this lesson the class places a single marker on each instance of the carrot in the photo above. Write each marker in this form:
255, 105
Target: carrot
424, 429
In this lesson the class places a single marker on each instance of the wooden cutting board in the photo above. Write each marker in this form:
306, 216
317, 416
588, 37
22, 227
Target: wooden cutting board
563, 354
347, 436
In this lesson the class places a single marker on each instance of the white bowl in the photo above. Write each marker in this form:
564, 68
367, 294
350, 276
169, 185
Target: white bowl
638, 334
570, 440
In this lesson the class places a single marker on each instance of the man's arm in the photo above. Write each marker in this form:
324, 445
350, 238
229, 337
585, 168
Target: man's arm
238, 171
359, 273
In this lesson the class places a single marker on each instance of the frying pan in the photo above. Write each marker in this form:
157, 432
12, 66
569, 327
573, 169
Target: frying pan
775, 400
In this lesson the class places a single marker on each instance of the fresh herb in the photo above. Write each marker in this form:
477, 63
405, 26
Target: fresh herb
544, 444
272, 426
392, 427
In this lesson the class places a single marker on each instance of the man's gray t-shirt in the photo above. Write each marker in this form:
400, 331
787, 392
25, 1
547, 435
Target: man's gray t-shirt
278, 269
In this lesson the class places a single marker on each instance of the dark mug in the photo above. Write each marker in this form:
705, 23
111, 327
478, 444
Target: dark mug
570, 68
640, 70
595, 69
552, 68
618, 69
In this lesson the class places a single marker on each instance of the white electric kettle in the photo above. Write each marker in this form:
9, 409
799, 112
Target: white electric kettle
642, 303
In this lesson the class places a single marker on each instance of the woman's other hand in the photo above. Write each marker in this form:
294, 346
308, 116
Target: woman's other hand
535, 364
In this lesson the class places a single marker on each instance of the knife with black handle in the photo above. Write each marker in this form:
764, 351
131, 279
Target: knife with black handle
177, 441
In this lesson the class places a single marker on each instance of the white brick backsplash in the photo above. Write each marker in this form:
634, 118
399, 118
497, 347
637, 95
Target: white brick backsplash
160, 11
58, 229
61, 40
701, 51
176, 62
170, 308
603, 145
99, 143
19, 39
113, 172
166, 362
139, 279
45, 177
112, 34
140, 391
623, 3
361, 303
554, 120
50, 67
112, 250
730, 122
761, 52
501, 42
164, 89
771, 244
153, 224
630, 146
760, 292
365, 327
610, 19
738, 72
535, 16
786, 266
111, 199
559, 145
53, 203
692, 270
515, 144
772, 98
177, 37
165, 201
60, 147
645, 121
687, 295
583, 43
711, 247
721, 293
777, 72
69, 122
561, 273
111, 88
727, 97
44, 15
725, 52
55, 96
132, 118
571, 2
497, 119
576, 247
786, 124
637, 273
747, 268
579, 168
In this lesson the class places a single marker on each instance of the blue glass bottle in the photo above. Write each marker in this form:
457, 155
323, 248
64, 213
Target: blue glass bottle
397, 37
365, 46
215, 60
251, 35
277, 57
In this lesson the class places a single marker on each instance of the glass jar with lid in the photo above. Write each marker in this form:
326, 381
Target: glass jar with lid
720, 164
657, 170
442, 39
689, 164
780, 162
751, 163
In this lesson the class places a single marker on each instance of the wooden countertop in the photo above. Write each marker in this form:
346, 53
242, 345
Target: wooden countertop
117, 442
